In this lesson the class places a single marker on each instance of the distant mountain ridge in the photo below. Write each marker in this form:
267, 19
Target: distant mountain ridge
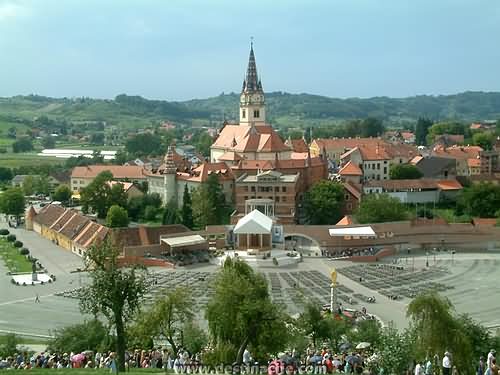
284, 109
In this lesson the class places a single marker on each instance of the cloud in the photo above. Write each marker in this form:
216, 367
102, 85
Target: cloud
10, 10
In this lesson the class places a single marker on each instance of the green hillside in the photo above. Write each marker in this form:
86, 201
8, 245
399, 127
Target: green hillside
285, 110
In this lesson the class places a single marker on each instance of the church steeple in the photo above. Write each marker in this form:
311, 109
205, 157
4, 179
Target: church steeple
252, 104
252, 82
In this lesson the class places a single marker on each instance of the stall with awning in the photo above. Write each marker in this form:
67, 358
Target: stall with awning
353, 232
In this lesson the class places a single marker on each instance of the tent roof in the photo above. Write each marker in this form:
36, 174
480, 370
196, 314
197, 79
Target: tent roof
352, 231
174, 242
254, 223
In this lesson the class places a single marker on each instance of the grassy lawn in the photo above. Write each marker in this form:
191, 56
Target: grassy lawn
448, 214
14, 261
13, 160
24, 340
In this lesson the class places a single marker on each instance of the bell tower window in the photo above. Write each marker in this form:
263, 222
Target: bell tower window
256, 113
243, 113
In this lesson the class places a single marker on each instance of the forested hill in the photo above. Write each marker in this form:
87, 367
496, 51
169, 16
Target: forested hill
283, 109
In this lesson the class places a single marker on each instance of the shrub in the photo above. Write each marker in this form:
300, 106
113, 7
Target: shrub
4, 232
24, 251
11, 237
18, 244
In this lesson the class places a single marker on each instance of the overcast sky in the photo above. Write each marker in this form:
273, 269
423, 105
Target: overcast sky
182, 49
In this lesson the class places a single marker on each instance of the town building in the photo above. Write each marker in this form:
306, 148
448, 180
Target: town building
19, 180
334, 148
436, 167
84, 175
240, 153
277, 191
415, 191
465, 157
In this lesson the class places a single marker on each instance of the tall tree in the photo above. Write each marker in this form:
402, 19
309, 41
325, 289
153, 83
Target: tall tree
118, 196
113, 291
380, 208
241, 313
168, 317
171, 213
437, 330
421, 131
187, 209
217, 199
12, 202
5, 174
323, 202
405, 172
95, 196
48, 142
23, 144
203, 209
28, 185
117, 217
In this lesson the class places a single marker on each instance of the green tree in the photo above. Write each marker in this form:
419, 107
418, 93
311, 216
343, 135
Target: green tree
405, 172
12, 202
28, 185
167, 317
366, 331
187, 209
380, 208
481, 199
48, 142
80, 337
421, 131
144, 144
203, 209
323, 203
117, 217
195, 338
62, 194
113, 291
203, 144
41, 185
437, 330
95, 196
9, 345
395, 350
484, 140
241, 313
171, 214
218, 199
313, 323
5, 174
23, 144
118, 195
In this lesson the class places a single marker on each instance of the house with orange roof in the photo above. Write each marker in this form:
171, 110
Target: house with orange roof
422, 190
350, 172
84, 175
335, 147
462, 155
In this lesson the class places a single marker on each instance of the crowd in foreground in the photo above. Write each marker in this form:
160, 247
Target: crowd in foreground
312, 361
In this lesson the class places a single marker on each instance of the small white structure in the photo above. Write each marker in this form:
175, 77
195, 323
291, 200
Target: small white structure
353, 232
253, 231
28, 279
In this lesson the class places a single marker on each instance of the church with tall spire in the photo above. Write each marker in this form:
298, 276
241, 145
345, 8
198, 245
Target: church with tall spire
252, 138
252, 101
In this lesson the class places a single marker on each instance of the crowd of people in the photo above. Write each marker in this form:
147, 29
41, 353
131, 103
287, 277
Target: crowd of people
312, 361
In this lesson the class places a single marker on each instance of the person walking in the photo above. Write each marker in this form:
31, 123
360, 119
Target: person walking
37, 298
446, 364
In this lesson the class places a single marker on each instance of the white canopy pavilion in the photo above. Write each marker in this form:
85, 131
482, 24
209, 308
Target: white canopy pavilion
254, 231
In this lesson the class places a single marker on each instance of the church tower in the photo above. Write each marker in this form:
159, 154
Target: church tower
252, 104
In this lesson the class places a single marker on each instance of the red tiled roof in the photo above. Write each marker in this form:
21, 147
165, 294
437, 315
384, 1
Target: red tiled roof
423, 183
74, 226
250, 139
351, 188
346, 143
473, 162
449, 185
297, 145
458, 152
230, 156
49, 214
350, 169
118, 171
346, 220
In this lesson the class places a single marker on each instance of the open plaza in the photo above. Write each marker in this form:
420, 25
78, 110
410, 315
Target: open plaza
383, 288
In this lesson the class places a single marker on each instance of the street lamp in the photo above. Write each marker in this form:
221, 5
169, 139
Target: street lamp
434, 256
